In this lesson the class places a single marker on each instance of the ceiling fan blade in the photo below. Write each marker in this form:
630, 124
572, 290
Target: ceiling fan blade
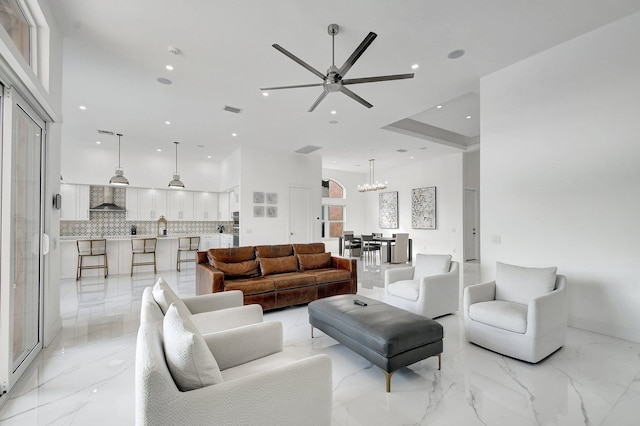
355, 97
320, 98
299, 61
374, 79
357, 53
292, 87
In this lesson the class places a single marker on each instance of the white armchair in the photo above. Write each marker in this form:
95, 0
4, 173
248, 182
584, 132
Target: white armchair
209, 312
430, 288
522, 314
236, 376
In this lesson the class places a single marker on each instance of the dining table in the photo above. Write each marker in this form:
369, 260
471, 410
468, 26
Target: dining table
387, 240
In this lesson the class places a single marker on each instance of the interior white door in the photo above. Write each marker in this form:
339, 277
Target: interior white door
471, 225
299, 215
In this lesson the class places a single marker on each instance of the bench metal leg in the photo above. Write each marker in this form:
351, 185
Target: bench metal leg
440, 361
388, 375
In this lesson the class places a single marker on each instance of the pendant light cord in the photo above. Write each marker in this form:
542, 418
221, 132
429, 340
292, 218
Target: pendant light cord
119, 135
176, 157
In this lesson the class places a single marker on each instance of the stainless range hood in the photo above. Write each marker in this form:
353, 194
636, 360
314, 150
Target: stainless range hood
107, 202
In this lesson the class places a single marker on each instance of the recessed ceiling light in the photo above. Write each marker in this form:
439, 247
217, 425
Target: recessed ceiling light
334, 112
265, 94
159, 149
82, 107
439, 106
334, 161
415, 66
163, 80
468, 117
455, 54
167, 122
410, 158
98, 142
208, 156
169, 67
234, 134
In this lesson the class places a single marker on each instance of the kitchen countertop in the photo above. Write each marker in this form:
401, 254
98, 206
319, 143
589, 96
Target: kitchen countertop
129, 237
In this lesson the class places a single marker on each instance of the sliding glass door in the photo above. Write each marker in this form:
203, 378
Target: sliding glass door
22, 274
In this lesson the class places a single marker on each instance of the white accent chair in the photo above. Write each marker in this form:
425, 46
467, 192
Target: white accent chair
209, 312
522, 314
431, 288
235, 376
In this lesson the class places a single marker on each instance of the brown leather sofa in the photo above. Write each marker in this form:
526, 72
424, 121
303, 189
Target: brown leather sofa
276, 276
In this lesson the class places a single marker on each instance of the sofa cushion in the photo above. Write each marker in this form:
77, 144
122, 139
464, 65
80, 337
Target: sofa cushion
519, 284
191, 363
311, 248
314, 261
278, 265
248, 268
165, 296
431, 264
250, 285
406, 289
329, 275
508, 316
231, 254
281, 250
292, 280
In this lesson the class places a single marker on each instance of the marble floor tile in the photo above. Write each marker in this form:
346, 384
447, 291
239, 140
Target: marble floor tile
86, 376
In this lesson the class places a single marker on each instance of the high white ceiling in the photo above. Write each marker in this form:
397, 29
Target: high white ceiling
115, 51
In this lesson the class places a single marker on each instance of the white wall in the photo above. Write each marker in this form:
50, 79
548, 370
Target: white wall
471, 169
269, 170
560, 172
445, 173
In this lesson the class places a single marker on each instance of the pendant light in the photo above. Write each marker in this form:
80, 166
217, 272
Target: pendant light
371, 186
118, 178
176, 182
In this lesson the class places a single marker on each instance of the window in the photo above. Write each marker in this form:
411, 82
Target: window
14, 21
333, 212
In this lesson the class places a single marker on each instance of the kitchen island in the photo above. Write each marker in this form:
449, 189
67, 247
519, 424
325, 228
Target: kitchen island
119, 253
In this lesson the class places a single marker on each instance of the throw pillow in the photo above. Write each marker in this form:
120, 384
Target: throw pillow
314, 261
191, 363
431, 264
278, 265
519, 284
165, 296
248, 268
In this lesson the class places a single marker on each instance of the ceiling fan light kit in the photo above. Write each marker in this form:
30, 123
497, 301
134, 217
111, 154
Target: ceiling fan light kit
334, 80
372, 186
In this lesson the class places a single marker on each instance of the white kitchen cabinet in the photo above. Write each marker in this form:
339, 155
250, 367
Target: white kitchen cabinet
75, 202
223, 206
210, 241
205, 206
145, 203
179, 205
234, 200
226, 240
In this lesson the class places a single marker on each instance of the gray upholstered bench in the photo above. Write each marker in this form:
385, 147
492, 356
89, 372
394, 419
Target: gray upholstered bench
389, 337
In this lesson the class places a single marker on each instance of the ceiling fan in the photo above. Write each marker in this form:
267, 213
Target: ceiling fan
334, 80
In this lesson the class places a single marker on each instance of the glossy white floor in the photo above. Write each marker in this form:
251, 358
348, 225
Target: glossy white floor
86, 376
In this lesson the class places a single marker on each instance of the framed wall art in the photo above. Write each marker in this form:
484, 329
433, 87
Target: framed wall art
272, 198
258, 211
258, 197
423, 208
272, 211
388, 210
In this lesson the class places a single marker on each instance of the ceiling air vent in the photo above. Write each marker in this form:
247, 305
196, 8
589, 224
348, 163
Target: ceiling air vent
308, 149
105, 132
402, 150
232, 109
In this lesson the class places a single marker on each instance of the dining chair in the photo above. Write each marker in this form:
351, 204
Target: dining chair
350, 242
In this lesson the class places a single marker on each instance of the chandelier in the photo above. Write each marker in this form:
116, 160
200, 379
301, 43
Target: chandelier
371, 186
